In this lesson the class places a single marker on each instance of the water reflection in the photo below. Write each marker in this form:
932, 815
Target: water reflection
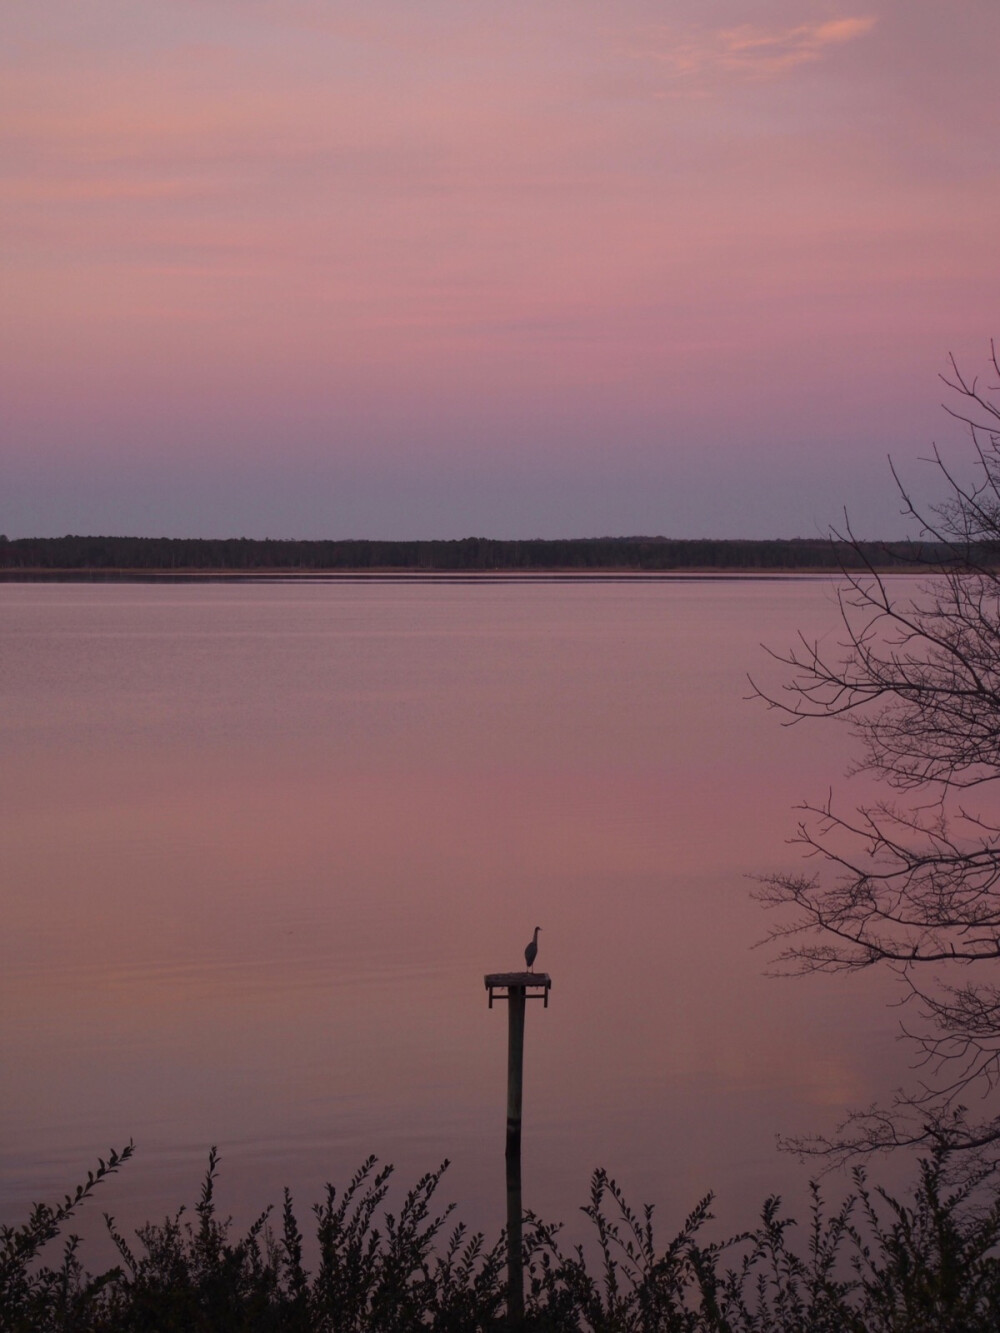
260, 844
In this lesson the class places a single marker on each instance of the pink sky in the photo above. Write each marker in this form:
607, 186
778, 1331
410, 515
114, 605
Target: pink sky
318, 268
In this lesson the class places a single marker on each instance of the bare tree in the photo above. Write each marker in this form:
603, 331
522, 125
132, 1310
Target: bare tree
911, 882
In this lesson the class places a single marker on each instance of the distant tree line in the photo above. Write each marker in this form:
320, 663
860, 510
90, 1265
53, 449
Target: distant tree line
470, 554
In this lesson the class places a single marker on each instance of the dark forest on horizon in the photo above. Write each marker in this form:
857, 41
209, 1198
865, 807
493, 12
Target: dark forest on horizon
172, 555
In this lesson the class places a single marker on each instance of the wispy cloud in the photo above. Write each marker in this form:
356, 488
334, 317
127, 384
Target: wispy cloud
762, 52
752, 50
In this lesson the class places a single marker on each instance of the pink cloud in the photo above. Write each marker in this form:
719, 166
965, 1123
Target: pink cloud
805, 41
754, 50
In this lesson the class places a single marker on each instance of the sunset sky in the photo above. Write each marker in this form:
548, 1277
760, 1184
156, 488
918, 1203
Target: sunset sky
512, 268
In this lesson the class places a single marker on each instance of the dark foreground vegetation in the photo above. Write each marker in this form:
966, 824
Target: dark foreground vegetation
110, 555
876, 1264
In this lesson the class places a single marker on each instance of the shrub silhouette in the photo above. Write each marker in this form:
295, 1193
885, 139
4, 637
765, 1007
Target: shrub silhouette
876, 1264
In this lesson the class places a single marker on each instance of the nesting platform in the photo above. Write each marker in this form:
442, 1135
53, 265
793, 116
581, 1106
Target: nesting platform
536, 985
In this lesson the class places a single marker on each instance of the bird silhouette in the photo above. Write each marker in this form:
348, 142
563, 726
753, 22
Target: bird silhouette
531, 952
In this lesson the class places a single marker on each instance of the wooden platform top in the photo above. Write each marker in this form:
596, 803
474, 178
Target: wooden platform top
530, 985
494, 980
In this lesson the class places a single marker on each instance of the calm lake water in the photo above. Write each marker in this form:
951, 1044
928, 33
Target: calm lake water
260, 842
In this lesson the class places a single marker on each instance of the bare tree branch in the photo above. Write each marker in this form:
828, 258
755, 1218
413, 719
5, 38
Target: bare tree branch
912, 883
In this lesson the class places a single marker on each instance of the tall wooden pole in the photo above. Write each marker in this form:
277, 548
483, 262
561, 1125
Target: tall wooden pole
515, 988
515, 1074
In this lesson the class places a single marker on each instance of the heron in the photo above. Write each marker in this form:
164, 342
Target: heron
531, 952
